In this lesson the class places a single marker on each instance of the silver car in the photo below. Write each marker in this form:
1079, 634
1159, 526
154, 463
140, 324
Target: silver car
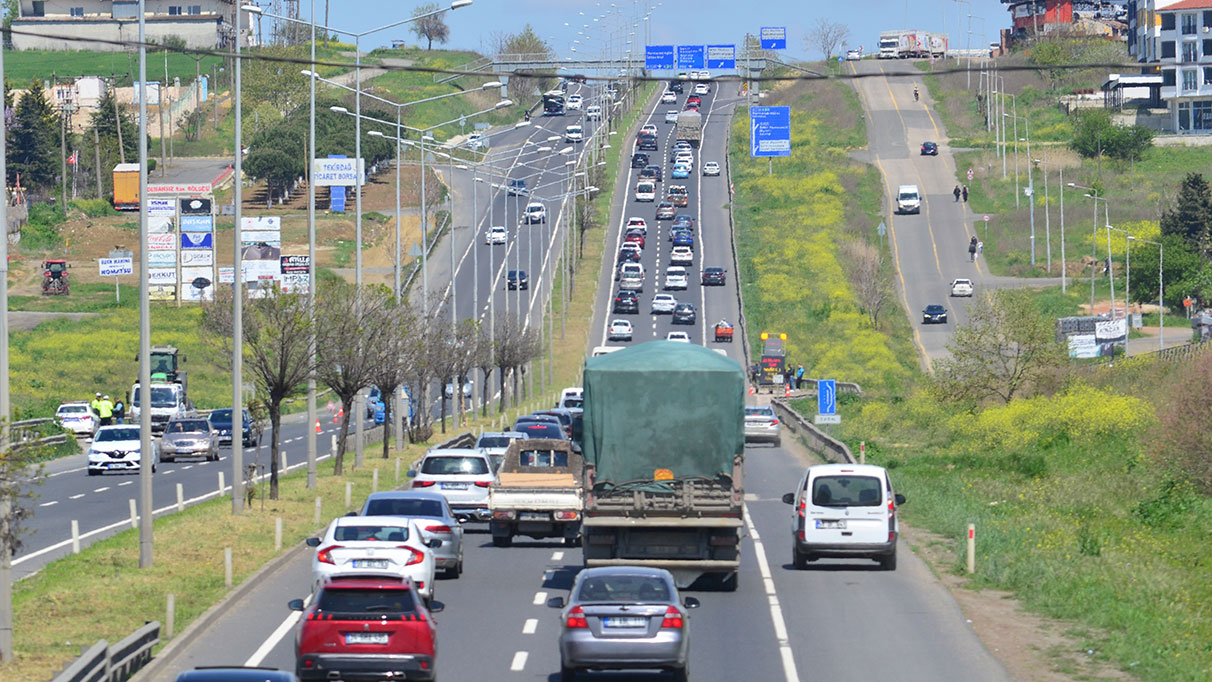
761, 424
495, 443
622, 618
189, 438
434, 518
460, 475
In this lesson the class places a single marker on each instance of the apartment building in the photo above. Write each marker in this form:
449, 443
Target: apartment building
108, 25
1174, 39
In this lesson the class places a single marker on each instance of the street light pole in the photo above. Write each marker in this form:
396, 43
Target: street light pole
237, 353
311, 260
1064, 264
145, 441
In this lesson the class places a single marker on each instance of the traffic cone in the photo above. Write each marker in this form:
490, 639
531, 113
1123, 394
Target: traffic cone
786, 390
752, 390
317, 426
336, 418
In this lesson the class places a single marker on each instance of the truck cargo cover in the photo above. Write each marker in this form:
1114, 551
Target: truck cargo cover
663, 405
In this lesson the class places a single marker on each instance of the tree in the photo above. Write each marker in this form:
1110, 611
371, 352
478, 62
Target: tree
526, 42
485, 360
1191, 215
1187, 272
276, 167
396, 353
868, 277
1006, 348
432, 27
1095, 135
34, 150
277, 351
827, 36
20, 466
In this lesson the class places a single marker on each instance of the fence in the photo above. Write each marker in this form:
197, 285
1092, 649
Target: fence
103, 663
816, 440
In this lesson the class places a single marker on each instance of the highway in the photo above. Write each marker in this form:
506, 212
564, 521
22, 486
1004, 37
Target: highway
841, 619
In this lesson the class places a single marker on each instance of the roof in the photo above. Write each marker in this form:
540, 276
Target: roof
862, 469
1187, 4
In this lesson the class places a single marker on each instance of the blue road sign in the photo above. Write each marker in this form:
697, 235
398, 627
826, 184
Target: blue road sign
690, 56
826, 396
658, 57
770, 131
774, 37
721, 56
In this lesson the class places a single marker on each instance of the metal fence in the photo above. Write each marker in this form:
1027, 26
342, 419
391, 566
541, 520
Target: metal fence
818, 441
104, 663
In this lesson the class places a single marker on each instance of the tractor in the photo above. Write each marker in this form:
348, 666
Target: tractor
165, 365
54, 278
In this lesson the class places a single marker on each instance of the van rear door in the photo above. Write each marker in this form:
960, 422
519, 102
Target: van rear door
846, 508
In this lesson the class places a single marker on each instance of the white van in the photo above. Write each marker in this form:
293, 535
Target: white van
844, 510
908, 199
570, 398
593, 113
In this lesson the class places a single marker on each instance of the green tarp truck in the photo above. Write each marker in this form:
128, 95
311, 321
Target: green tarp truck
664, 438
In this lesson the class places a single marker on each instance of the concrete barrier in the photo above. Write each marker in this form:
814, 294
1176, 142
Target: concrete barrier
818, 441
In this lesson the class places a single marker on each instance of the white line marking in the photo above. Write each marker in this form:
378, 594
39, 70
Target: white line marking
776, 612
529, 626
125, 483
272, 641
73, 497
557, 556
54, 502
519, 661
101, 489
540, 598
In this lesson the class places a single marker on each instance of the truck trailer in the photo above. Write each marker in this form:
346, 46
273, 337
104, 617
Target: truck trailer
912, 44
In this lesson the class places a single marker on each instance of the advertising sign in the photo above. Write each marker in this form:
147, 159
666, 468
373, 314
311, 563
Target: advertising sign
721, 56
161, 275
159, 224
329, 172
153, 93
195, 206
295, 265
690, 56
658, 57
774, 38
259, 236
162, 292
770, 131
162, 259
197, 258
161, 207
197, 223
227, 275
112, 267
296, 284
1082, 346
188, 188
197, 240
192, 276
336, 199
271, 222
161, 242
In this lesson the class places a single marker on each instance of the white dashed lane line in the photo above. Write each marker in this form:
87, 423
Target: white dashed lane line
557, 556
540, 598
530, 626
98, 490
49, 504
518, 663
125, 483
76, 497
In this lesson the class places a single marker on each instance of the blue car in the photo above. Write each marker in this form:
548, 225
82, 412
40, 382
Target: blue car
221, 421
683, 238
680, 170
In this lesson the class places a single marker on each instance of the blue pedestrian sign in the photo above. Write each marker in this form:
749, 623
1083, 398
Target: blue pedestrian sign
721, 56
690, 56
774, 38
658, 57
826, 396
770, 131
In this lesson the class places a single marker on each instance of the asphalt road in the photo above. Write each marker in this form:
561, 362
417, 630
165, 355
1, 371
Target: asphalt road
840, 619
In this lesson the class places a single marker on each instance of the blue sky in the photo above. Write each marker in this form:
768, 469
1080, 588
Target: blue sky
688, 22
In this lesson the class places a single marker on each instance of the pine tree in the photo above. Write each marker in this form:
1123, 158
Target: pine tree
1191, 215
34, 150
106, 125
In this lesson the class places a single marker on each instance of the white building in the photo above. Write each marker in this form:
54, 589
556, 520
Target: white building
104, 25
1174, 39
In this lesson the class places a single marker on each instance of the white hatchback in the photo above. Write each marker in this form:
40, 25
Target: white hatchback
680, 337
844, 511
681, 255
574, 102
711, 168
671, 117
663, 304
648, 128
668, 97
645, 191
676, 279
961, 287
462, 476
497, 234
370, 545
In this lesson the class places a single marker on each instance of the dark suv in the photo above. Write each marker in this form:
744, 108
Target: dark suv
626, 301
683, 314
639, 160
714, 277
647, 142
361, 627
516, 279
652, 171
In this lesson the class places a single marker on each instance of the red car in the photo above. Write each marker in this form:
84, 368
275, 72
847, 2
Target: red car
366, 628
694, 99
634, 238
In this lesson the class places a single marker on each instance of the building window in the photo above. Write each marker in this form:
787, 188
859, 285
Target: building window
1184, 116
1201, 115
1190, 51
38, 9
174, 10
1208, 75
1207, 18
1168, 78
76, 11
1167, 49
1190, 83
195, 9
1167, 22
1189, 24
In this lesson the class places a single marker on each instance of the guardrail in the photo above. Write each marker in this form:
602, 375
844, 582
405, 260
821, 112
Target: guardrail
818, 441
103, 663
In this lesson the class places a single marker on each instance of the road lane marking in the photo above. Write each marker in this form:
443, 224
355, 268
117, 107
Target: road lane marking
73, 497
557, 556
276, 636
776, 610
519, 661
540, 598
49, 504
529, 626
101, 489
125, 483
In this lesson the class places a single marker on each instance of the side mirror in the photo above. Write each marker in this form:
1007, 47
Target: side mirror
900, 499
556, 602
789, 498
434, 543
352, 513
436, 607
295, 604
411, 473
312, 542
691, 603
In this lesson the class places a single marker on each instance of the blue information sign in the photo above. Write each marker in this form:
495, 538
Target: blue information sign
336, 193
826, 396
690, 56
658, 57
774, 38
721, 56
770, 131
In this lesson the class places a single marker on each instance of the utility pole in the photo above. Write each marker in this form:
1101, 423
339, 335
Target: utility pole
97, 159
163, 147
113, 96
6, 565
65, 112
146, 462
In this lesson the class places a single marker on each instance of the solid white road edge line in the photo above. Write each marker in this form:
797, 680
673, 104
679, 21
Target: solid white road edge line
776, 612
272, 641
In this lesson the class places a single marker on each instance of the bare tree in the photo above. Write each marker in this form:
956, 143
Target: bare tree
463, 360
827, 36
485, 360
395, 352
868, 277
432, 27
1006, 348
277, 336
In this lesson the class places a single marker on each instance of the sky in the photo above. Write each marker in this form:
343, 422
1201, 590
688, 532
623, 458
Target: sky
673, 22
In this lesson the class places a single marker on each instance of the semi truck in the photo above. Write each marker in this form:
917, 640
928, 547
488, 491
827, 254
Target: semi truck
664, 439
690, 127
912, 44
537, 492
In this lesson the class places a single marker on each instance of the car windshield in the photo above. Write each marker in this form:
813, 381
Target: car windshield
161, 396
117, 434
221, 416
187, 426
73, 409
371, 532
624, 588
454, 465
846, 491
367, 600
404, 507
907, 196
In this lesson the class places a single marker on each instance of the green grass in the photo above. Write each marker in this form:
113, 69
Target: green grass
20, 67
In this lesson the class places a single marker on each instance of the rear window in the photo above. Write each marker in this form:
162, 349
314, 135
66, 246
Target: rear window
494, 441
191, 426
431, 508
73, 409
847, 491
759, 412
573, 402
543, 458
381, 532
365, 600
454, 465
541, 430
624, 588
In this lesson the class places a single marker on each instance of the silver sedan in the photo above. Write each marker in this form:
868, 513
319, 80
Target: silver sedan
624, 618
434, 518
189, 438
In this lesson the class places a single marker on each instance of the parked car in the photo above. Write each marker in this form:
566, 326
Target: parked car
497, 234
434, 518
844, 510
392, 545
961, 287
761, 424
934, 313
462, 476
117, 448
220, 420
516, 279
191, 437
711, 168
78, 417
714, 277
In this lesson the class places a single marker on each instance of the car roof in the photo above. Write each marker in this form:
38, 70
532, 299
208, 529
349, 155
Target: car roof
835, 469
235, 674
934, 306
598, 571
115, 427
961, 279
454, 452
510, 434
713, 268
405, 495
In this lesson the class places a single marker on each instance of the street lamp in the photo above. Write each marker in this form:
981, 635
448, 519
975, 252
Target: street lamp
1064, 269
1161, 288
1111, 275
1030, 178
1092, 193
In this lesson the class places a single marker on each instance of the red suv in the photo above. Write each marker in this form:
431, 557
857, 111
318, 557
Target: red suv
366, 628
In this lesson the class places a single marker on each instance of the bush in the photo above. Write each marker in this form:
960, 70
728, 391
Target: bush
93, 208
1095, 135
41, 231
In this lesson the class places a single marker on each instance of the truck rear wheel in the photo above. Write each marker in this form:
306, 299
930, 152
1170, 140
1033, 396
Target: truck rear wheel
502, 540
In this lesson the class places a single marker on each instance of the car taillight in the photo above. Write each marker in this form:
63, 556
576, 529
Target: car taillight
324, 556
482, 484
422, 484
437, 529
576, 619
503, 514
774, 422
673, 618
803, 508
415, 558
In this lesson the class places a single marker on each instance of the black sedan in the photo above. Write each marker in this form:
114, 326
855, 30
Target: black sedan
684, 313
714, 277
221, 421
516, 279
934, 313
929, 149
626, 302
639, 160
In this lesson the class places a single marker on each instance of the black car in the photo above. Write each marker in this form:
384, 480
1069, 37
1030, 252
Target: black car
639, 160
658, 172
676, 86
684, 314
628, 256
516, 279
714, 277
934, 313
626, 302
236, 674
221, 421
929, 149
647, 142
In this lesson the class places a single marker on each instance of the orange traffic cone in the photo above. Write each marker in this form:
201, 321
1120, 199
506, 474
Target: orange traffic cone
336, 418
787, 390
317, 426
752, 391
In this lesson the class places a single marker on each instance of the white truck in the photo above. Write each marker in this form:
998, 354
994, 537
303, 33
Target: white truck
537, 492
912, 44
690, 127
168, 401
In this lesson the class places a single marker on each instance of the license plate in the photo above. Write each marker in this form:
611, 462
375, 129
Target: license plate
624, 622
535, 516
822, 523
454, 486
370, 563
366, 638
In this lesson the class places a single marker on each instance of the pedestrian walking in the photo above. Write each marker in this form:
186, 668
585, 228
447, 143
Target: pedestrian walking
965, 193
957, 191
106, 411
119, 412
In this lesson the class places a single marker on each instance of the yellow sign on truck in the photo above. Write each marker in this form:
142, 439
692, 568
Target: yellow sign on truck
126, 187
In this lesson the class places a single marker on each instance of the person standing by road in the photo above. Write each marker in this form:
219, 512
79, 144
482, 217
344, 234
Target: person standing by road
119, 412
965, 193
972, 246
799, 377
106, 411
95, 403
957, 193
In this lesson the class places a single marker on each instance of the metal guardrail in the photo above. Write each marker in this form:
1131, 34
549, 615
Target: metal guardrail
103, 663
818, 441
